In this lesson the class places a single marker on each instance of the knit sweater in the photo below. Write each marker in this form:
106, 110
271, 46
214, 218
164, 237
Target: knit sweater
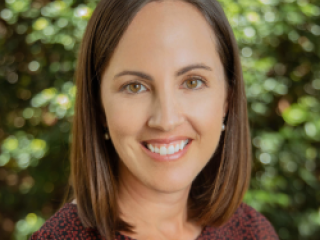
245, 224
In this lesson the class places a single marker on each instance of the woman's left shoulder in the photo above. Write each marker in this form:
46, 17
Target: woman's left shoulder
246, 223
254, 221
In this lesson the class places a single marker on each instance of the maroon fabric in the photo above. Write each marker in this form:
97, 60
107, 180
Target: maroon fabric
245, 224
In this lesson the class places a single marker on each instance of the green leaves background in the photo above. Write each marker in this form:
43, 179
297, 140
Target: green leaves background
279, 43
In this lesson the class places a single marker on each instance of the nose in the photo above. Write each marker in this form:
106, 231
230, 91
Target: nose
166, 112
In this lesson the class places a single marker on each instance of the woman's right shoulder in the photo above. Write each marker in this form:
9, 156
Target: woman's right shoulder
65, 224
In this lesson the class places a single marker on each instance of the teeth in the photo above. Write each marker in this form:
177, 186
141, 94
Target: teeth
156, 150
166, 150
177, 148
163, 151
170, 149
181, 145
151, 147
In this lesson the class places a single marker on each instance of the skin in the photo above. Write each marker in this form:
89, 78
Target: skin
163, 38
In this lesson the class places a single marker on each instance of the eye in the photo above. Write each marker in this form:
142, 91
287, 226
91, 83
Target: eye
134, 88
194, 83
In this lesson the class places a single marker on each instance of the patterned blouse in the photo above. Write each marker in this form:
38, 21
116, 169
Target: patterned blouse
245, 224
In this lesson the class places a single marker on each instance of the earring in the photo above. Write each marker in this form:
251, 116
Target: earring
223, 126
106, 136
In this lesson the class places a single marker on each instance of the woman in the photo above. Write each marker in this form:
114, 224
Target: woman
161, 145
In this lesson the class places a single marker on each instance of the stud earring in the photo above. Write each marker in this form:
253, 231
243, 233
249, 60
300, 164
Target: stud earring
223, 126
106, 135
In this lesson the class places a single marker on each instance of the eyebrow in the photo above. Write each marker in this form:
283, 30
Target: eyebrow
177, 74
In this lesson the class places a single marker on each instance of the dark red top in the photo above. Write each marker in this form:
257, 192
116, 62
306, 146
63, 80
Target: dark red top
245, 224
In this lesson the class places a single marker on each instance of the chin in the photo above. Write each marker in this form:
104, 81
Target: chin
170, 184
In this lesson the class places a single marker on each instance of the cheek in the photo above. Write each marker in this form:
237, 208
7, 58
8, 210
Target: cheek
205, 110
206, 117
124, 118
123, 125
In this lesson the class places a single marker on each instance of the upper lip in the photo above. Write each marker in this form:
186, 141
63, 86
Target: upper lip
165, 140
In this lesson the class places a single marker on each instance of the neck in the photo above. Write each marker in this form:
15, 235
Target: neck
154, 210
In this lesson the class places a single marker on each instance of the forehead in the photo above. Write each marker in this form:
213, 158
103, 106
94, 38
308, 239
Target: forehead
167, 33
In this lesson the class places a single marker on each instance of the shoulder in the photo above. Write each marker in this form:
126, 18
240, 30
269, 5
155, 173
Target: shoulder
254, 222
65, 224
246, 223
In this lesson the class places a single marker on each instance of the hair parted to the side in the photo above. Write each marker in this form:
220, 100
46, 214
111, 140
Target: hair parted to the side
218, 189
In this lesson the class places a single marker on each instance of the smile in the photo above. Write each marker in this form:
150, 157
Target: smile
167, 152
167, 149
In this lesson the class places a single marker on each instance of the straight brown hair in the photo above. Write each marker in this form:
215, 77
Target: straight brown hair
218, 189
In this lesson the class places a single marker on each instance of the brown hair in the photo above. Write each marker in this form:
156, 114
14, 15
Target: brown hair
218, 189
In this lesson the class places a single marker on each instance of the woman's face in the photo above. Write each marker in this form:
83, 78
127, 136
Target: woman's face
165, 82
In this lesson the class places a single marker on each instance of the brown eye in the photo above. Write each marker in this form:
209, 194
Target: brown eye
194, 83
134, 88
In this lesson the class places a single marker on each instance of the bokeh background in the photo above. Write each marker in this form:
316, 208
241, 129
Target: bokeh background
279, 43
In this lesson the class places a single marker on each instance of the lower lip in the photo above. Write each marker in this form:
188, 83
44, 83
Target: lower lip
167, 158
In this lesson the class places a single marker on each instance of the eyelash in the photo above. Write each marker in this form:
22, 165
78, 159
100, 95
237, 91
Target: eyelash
123, 88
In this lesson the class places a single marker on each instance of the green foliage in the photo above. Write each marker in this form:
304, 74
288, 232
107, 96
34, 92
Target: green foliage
279, 46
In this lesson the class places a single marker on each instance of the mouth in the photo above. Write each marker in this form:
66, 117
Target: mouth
166, 152
167, 149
